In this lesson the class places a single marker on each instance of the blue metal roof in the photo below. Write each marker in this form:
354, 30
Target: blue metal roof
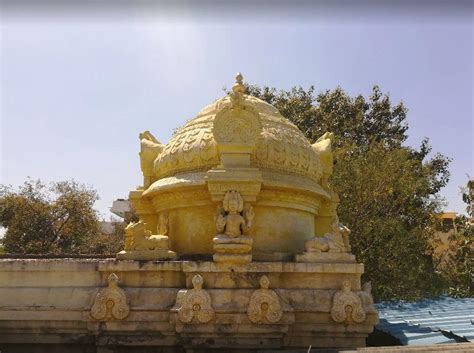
428, 321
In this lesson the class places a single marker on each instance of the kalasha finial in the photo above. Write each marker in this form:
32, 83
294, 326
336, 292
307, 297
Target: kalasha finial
239, 87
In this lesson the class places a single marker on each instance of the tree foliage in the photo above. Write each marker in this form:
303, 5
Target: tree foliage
48, 219
388, 191
108, 243
459, 270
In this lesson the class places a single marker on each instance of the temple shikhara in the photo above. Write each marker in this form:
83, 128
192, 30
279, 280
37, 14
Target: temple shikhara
238, 246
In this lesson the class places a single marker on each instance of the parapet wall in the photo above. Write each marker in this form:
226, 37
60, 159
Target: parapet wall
182, 304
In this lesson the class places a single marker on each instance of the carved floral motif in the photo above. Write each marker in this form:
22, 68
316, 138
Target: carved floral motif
189, 149
346, 305
237, 126
197, 305
264, 306
111, 302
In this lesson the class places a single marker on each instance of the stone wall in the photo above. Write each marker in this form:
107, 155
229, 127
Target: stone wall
93, 304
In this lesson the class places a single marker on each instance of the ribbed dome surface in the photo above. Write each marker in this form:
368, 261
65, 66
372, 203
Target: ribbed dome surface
281, 145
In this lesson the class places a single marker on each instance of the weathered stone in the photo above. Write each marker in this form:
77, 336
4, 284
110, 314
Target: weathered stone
238, 184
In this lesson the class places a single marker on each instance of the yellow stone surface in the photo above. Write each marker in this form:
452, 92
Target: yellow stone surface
242, 144
238, 247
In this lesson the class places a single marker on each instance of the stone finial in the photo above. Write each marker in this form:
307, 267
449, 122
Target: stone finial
197, 282
113, 280
238, 87
264, 282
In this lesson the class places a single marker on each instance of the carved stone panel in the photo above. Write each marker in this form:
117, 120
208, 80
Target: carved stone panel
264, 306
346, 306
237, 126
196, 306
111, 302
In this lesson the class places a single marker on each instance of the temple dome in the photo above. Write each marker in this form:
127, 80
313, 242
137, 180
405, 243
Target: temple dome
279, 144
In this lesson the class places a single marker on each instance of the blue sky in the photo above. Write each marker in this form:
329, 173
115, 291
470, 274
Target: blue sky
78, 86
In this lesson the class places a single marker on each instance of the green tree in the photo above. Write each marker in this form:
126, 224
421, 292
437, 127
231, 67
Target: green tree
109, 244
388, 191
48, 219
459, 270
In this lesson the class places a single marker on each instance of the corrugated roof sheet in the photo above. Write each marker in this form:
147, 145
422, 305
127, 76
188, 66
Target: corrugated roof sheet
428, 321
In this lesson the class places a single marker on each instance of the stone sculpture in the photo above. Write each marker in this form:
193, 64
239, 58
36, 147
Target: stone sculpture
196, 306
334, 241
233, 223
111, 302
323, 146
141, 244
346, 306
264, 305
150, 148
332, 246
366, 298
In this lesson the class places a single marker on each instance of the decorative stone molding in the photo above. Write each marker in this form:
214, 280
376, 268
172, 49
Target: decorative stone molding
196, 306
346, 306
189, 149
111, 302
264, 306
284, 148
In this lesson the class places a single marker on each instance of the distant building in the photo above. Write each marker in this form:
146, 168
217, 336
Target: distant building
448, 221
442, 238
122, 209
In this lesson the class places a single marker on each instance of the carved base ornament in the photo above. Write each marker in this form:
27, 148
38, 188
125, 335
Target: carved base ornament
111, 302
264, 305
196, 306
346, 306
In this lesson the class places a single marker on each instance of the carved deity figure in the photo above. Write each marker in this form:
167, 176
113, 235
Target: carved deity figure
366, 298
337, 240
346, 305
139, 238
111, 302
232, 220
